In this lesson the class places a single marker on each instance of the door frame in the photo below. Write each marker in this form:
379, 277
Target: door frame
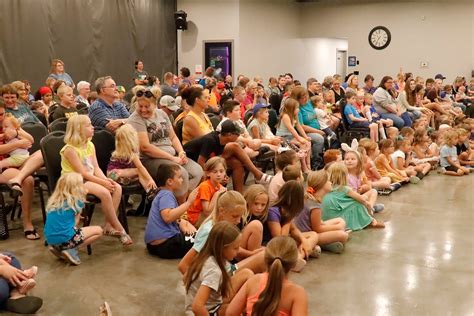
345, 60
218, 41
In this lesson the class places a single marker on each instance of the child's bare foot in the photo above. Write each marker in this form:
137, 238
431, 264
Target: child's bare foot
377, 224
105, 309
26, 286
31, 272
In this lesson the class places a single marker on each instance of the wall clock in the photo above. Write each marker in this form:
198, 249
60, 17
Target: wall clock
379, 37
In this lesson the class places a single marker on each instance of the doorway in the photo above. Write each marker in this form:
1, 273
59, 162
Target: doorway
219, 55
341, 62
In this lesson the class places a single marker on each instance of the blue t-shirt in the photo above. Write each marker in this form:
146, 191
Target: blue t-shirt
274, 215
202, 234
156, 228
306, 116
60, 223
445, 152
350, 109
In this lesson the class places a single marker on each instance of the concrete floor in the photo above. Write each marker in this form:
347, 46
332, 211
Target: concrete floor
421, 264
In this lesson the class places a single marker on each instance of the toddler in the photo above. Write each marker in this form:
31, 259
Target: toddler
12, 132
449, 159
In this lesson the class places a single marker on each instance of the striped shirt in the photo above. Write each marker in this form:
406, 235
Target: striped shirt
100, 112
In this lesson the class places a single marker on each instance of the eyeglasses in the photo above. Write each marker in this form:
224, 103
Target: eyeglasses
146, 93
111, 87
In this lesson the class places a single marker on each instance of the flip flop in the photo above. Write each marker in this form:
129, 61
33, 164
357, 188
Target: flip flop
33, 233
265, 179
16, 189
24, 305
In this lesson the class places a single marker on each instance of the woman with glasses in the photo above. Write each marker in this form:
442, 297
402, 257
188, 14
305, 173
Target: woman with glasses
58, 73
385, 103
196, 123
159, 143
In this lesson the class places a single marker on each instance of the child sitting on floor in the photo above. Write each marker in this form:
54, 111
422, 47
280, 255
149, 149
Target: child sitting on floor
283, 159
449, 159
402, 161
384, 162
63, 216
466, 155
421, 151
203, 203
167, 235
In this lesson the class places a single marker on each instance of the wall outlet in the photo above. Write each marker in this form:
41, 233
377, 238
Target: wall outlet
424, 64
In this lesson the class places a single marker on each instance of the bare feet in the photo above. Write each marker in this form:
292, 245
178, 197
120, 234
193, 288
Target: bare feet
377, 224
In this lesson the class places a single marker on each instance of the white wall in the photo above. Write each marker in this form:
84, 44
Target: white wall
444, 38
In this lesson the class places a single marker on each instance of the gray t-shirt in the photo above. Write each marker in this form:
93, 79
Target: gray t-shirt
446, 152
158, 129
303, 220
210, 276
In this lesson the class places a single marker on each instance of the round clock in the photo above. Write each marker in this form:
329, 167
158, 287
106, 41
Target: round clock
379, 37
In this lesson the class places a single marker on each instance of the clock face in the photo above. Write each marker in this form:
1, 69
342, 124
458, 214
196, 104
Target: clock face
379, 37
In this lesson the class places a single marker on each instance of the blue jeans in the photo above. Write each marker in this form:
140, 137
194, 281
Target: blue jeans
414, 115
317, 146
406, 119
398, 122
4, 285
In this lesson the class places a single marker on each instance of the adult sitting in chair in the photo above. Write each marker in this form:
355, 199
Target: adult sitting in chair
224, 144
159, 143
196, 123
12, 105
105, 112
386, 104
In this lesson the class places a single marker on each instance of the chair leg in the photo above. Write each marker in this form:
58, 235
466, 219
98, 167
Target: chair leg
43, 208
123, 213
4, 233
14, 205
87, 221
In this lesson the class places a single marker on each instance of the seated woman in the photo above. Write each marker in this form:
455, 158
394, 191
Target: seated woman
67, 104
224, 144
386, 104
196, 123
58, 73
14, 106
159, 143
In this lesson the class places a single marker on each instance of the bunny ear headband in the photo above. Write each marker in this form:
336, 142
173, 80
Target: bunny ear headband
354, 146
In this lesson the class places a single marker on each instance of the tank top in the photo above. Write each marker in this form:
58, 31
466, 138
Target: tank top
85, 155
251, 300
205, 126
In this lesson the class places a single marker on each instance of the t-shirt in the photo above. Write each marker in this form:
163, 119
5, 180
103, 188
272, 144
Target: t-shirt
140, 75
338, 96
210, 276
263, 129
460, 148
157, 127
239, 123
61, 111
167, 90
23, 114
306, 116
445, 152
322, 118
397, 154
101, 113
432, 95
202, 234
274, 215
85, 155
207, 146
63, 77
156, 228
274, 187
350, 109
59, 227
303, 220
205, 193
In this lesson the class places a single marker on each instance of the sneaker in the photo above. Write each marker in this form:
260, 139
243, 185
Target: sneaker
334, 247
378, 208
72, 256
414, 179
316, 252
56, 251
395, 186
441, 170
384, 191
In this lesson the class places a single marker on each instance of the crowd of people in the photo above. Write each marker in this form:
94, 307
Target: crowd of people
192, 142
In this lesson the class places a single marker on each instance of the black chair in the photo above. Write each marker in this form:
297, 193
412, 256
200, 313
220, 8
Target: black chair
51, 110
51, 145
104, 143
215, 120
41, 117
4, 210
348, 132
247, 115
84, 111
179, 130
59, 124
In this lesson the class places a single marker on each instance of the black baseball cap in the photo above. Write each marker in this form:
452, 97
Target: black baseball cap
229, 127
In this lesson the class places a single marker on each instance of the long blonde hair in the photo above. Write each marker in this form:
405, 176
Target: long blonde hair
338, 175
126, 143
69, 191
75, 131
316, 181
281, 255
227, 201
250, 195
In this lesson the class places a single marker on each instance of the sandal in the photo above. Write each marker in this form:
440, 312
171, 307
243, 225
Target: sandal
125, 239
15, 188
111, 232
33, 233
265, 179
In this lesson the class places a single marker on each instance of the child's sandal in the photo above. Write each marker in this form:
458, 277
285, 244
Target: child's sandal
125, 239
112, 232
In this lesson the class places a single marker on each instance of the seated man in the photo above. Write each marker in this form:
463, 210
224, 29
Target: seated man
224, 144
105, 112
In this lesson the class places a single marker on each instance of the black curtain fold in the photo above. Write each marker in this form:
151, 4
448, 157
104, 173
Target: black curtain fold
93, 37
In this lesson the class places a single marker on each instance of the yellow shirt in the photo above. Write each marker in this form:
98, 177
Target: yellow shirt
205, 126
85, 155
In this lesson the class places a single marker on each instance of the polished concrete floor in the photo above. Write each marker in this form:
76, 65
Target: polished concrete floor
422, 263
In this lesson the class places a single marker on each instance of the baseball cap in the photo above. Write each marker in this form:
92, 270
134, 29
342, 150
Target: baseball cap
169, 102
120, 88
440, 76
257, 107
220, 85
229, 127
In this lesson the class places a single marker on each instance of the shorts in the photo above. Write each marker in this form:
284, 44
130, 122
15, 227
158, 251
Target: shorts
451, 168
74, 242
359, 125
173, 248
17, 160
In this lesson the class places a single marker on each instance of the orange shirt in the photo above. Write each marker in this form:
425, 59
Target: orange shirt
205, 193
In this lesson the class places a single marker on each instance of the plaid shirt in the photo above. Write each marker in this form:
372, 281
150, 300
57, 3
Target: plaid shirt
100, 112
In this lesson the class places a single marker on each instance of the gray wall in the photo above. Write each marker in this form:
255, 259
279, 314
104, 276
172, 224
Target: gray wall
93, 38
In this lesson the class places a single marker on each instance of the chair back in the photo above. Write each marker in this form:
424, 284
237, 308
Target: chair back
58, 125
51, 145
41, 117
104, 143
247, 115
342, 105
215, 120
179, 130
38, 131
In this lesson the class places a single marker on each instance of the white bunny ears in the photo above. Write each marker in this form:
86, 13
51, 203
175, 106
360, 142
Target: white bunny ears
353, 148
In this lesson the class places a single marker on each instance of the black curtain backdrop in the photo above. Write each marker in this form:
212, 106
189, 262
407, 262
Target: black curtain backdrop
93, 37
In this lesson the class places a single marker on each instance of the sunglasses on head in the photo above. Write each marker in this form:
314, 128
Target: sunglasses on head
146, 93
